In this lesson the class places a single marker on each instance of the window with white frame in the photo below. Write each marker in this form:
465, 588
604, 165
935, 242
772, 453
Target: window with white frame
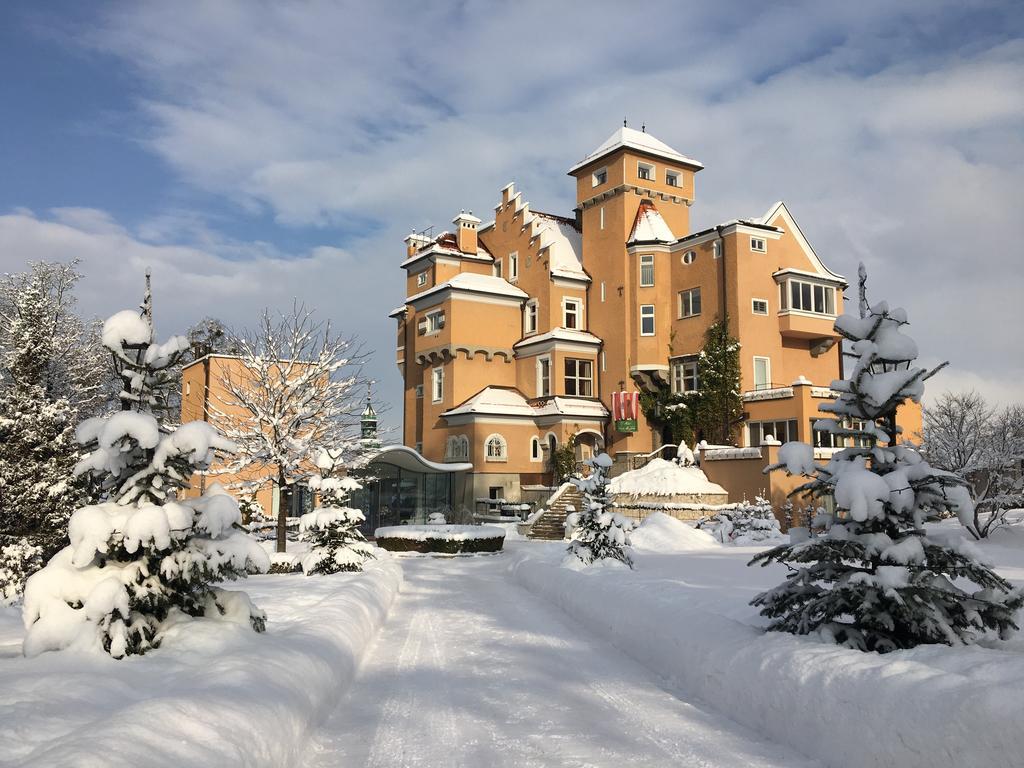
689, 257
684, 375
530, 317
646, 270
759, 306
572, 313
758, 244
827, 439
496, 268
646, 319
599, 177
783, 430
419, 447
513, 265
645, 171
716, 248
762, 373
421, 279
496, 449
435, 321
543, 376
809, 297
689, 302
536, 454
579, 377
672, 178
419, 391
437, 385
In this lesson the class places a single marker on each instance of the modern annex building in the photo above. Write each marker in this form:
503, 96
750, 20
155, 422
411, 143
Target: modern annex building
516, 333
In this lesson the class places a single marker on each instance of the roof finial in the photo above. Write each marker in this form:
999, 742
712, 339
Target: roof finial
147, 299
623, 122
643, 127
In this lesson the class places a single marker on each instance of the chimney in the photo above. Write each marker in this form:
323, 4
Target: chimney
465, 231
414, 242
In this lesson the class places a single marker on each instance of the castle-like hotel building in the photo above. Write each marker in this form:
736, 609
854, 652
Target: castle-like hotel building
515, 333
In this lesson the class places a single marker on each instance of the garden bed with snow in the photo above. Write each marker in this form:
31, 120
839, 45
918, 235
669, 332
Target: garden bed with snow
442, 539
684, 613
214, 693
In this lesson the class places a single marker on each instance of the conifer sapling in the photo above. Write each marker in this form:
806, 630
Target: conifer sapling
876, 579
598, 532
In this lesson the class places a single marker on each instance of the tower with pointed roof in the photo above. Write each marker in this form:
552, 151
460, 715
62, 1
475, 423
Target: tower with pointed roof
517, 333
368, 425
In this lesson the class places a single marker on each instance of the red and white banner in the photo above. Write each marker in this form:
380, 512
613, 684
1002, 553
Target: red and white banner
625, 405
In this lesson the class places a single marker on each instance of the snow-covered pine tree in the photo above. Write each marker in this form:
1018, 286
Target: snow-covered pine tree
332, 529
720, 406
37, 447
876, 580
745, 524
143, 559
598, 533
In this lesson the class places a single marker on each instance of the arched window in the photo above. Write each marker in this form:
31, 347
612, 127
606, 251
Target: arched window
535, 451
496, 448
552, 443
457, 448
463, 447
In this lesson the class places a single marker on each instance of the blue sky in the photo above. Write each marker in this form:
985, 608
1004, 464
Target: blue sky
252, 152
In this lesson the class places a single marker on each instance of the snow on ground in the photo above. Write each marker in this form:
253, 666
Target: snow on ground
471, 670
662, 533
663, 478
219, 695
684, 614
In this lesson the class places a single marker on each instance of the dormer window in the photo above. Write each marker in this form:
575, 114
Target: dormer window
599, 177
672, 179
758, 244
645, 171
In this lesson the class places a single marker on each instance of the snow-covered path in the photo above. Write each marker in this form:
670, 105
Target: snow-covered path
472, 670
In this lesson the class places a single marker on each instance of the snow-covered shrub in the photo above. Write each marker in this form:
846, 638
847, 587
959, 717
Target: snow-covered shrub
142, 559
436, 518
745, 524
19, 559
876, 580
332, 530
441, 539
598, 533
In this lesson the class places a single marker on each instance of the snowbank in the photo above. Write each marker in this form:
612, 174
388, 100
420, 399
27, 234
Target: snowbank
686, 618
661, 533
216, 695
664, 478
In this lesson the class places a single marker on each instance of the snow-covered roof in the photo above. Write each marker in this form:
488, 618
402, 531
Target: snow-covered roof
495, 400
572, 406
409, 458
398, 311
473, 283
664, 478
649, 226
564, 245
638, 140
507, 401
446, 244
559, 334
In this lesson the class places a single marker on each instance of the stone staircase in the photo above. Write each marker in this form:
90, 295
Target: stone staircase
551, 524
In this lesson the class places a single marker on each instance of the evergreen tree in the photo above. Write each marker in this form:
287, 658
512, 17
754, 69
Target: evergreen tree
598, 532
876, 580
142, 559
37, 447
332, 529
718, 368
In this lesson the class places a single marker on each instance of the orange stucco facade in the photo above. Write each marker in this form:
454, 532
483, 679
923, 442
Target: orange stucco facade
515, 332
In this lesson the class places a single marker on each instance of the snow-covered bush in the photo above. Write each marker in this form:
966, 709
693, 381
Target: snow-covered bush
436, 518
745, 524
598, 533
142, 559
876, 580
332, 530
19, 559
441, 539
